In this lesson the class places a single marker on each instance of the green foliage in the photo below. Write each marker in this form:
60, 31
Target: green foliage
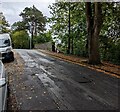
34, 22
3, 24
60, 20
42, 38
20, 39
33, 19
20, 25
109, 35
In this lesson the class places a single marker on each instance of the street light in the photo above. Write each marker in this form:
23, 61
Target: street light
30, 33
30, 42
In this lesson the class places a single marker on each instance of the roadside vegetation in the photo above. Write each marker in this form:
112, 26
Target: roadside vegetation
33, 23
3, 24
90, 30
20, 39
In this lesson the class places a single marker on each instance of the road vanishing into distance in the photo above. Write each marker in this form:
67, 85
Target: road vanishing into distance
53, 84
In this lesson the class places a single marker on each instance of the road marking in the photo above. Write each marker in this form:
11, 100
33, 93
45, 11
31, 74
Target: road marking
99, 70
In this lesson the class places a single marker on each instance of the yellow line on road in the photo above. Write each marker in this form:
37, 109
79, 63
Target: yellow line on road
99, 70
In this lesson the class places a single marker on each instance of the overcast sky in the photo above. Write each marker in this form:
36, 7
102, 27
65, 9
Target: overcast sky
11, 9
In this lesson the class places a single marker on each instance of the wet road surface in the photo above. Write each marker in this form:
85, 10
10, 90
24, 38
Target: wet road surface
52, 84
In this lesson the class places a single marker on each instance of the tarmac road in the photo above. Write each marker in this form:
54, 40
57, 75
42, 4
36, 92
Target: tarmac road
48, 83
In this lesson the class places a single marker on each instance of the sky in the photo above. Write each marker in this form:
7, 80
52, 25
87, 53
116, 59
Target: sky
11, 9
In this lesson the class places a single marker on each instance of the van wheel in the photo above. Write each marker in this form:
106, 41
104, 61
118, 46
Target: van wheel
12, 59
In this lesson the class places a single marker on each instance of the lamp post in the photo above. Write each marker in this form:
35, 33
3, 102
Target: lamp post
30, 31
30, 42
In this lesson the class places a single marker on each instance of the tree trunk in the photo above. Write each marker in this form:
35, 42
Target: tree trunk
53, 46
93, 29
89, 22
68, 50
72, 46
35, 29
32, 46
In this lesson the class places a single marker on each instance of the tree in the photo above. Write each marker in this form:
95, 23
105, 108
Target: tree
34, 20
98, 40
94, 23
43, 37
20, 25
20, 39
68, 25
110, 33
3, 24
61, 22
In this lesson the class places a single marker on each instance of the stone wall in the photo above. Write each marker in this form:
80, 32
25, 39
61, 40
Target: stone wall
44, 46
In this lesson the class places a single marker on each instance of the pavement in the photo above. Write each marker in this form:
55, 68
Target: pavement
41, 82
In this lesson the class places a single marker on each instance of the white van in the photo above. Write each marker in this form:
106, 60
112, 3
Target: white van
6, 47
